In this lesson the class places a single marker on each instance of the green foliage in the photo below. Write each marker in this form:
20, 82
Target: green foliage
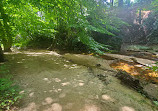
40, 40
151, 23
9, 93
154, 67
156, 103
62, 20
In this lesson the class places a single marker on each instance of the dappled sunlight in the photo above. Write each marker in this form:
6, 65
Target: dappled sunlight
91, 108
107, 98
81, 84
31, 107
65, 83
50, 91
31, 94
137, 71
22, 92
62, 95
68, 106
10, 53
42, 53
47, 100
126, 108
19, 62
64, 89
73, 66
57, 80
54, 107
45, 79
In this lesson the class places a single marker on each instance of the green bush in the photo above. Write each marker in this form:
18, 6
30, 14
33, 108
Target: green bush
9, 92
154, 68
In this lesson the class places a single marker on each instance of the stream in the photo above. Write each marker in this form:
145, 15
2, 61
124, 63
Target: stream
54, 82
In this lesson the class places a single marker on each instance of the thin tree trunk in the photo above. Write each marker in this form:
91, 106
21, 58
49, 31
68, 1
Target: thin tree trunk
120, 3
112, 2
1, 55
128, 2
140, 18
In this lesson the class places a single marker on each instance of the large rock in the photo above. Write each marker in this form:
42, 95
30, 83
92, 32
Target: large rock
148, 89
152, 90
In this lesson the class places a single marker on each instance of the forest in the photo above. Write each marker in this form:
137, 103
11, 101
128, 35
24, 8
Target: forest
78, 55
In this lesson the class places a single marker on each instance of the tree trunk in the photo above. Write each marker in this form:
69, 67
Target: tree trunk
112, 2
1, 55
120, 3
128, 2
140, 18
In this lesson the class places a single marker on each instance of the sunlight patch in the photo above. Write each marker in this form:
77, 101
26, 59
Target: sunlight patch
126, 108
107, 98
31, 94
57, 80
65, 84
55, 107
81, 84
45, 79
62, 95
48, 100
91, 108
31, 107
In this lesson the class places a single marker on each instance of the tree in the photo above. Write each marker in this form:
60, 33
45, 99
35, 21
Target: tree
66, 22
1, 55
120, 3
5, 28
112, 2
128, 2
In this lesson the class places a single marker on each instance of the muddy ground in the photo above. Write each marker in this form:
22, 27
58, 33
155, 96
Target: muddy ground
54, 82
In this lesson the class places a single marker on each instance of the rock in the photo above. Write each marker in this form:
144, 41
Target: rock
148, 89
129, 80
152, 90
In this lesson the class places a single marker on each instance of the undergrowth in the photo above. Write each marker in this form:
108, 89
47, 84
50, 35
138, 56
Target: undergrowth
9, 91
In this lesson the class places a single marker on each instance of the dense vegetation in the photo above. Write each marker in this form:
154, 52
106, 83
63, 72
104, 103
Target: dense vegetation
66, 24
9, 92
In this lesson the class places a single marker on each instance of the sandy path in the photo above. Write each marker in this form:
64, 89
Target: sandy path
52, 83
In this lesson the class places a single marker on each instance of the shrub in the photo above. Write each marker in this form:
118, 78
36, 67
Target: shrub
9, 92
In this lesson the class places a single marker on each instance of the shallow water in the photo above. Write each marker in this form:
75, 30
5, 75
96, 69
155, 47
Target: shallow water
53, 83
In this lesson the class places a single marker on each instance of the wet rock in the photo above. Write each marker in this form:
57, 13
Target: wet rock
129, 80
149, 90
103, 78
152, 90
